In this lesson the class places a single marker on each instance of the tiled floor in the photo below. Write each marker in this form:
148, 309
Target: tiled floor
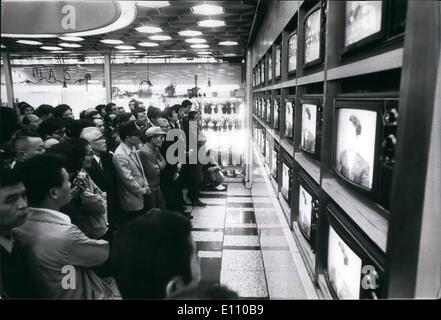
242, 245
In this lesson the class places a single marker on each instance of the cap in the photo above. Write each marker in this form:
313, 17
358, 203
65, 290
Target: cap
129, 129
154, 131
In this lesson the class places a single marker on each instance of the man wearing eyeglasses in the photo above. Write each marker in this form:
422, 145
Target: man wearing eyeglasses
102, 171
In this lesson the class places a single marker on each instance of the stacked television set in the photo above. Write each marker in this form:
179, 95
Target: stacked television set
364, 144
278, 61
270, 67
311, 125
368, 24
268, 108
314, 25
308, 205
289, 117
275, 161
287, 165
276, 113
292, 52
354, 266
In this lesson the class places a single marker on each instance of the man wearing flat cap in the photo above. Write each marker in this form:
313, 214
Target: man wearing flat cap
153, 162
131, 181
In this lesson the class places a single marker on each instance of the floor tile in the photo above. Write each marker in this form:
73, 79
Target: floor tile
245, 283
207, 236
268, 240
278, 260
210, 254
240, 217
220, 201
239, 200
241, 241
242, 260
241, 231
240, 225
284, 285
210, 269
240, 205
209, 222
209, 245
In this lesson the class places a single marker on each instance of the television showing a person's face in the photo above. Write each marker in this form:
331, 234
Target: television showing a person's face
355, 152
309, 121
289, 114
285, 180
292, 53
13, 207
305, 210
363, 18
344, 267
274, 164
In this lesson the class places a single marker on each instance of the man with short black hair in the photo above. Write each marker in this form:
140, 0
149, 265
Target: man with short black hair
31, 121
13, 213
45, 111
51, 243
26, 146
155, 256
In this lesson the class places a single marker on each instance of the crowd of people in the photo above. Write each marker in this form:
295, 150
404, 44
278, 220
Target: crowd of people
90, 201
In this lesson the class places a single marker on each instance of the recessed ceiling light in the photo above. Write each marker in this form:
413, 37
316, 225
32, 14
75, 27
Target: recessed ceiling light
195, 40
228, 43
70, 45
50, 48
203, 53
71, 38
3, 47
125, 47
30, 42
160, 37
190, 33
148, 29
200, 46
211, 23
207, 9
112, 41
148, 44
153, 4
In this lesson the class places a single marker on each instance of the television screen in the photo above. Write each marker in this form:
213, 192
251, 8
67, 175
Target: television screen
355, 152
278, 61
305, 212
285, 181
276, 114
263, 71
312, 37
344, 268
267, 152
274, 164
268, 109
363, 19
289, 118
270, 70
292, 52
309, 123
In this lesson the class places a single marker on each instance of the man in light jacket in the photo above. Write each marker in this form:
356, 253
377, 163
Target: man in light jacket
131, 182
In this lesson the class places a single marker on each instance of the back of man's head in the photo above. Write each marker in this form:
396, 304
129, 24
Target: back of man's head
41, 174
151, 253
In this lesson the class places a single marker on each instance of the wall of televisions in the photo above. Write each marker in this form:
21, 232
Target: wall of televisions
327, 134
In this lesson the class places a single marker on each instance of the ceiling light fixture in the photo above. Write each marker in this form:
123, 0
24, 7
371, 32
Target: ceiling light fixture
71, 38
153, 4
111, 41
148, 44
148, 29
50, 48
190, 33
125, 48
160, 38
204, 53
2, 46
207, 9
228, 43
195, 40
30, 42
211, 23
200, 46
70, 45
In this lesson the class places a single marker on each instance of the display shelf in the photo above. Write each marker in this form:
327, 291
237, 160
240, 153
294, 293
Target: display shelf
382, 62
268, 88
289, 83
364, 214
287, 147
311, 167
305, 249
271, 131
312, 78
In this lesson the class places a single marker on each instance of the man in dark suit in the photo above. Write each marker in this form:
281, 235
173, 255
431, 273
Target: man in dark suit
351, 164
102, 172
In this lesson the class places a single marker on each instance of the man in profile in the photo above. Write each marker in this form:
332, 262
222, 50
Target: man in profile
26, 146
13, 213
351, 164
